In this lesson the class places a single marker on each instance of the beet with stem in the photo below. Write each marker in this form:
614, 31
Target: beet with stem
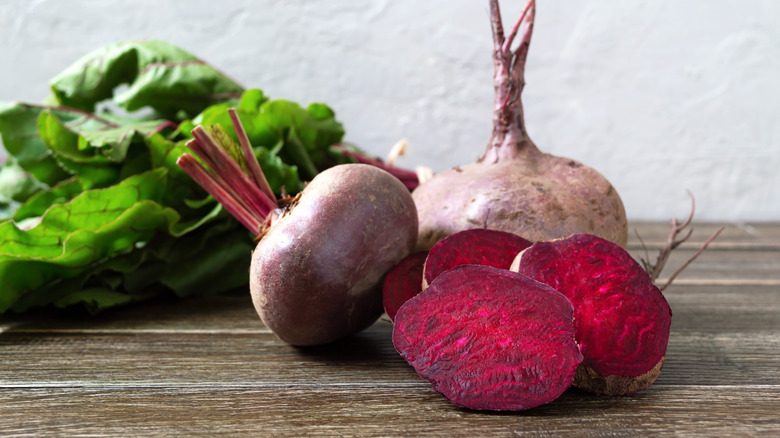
316, 272
476, 246
488, 338
621, 318
513, 186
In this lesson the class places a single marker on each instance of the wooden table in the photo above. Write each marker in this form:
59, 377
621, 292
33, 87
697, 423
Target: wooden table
207, 366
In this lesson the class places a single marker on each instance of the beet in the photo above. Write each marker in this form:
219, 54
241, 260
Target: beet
488, 338
514, 186
477, 246
316, 272
403, 282
622, 320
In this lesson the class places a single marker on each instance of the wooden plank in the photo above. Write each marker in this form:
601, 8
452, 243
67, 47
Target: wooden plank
149, 359
724, 309
280, 411
215, 313
714, 266
735, 236
696, 308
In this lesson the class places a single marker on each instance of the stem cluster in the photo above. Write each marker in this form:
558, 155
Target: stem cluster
248, 197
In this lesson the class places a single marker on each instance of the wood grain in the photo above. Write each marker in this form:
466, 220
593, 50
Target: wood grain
208, 367
308, 410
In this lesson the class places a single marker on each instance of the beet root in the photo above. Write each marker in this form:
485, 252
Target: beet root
622, 320
477, 246
541, 197
515, 187
316, 274
489, 339
403, 282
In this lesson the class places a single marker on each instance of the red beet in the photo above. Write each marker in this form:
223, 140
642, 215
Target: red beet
514, 186
477, 246
488, 338
403, 282
622, 320
316, 272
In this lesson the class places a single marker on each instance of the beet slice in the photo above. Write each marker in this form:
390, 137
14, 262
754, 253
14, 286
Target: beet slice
403, 282
488, 338
476, 246
622, 320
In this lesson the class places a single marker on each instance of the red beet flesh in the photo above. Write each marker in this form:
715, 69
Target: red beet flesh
477, 246
622, 320
403, 282
487, 338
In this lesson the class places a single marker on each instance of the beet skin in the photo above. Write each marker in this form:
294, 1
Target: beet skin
514, 186
487, 338
622, 320
316, 274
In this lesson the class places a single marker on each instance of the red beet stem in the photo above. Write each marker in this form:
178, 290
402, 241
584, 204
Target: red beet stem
408, 177
220, 193
249, 154
509, 134
165, 125
248, 198
227, 169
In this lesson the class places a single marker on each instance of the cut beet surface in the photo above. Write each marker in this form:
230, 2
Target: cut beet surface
622, 320
488, 338
403, 282
476, 246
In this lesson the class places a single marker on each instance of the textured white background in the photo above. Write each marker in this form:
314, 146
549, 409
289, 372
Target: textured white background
660, 96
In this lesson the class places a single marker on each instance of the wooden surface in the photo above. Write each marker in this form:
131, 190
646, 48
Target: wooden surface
208, 367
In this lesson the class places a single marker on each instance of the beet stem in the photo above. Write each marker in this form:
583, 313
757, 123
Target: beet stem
249, 155
509, 134
497, 25
521, 54
220, 193
224, 166
507, 44
232, 183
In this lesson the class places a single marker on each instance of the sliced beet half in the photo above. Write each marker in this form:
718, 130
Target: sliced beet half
403, 282
476, 246
490, 339
622, 320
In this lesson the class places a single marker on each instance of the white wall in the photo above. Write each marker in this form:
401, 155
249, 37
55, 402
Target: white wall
660, 96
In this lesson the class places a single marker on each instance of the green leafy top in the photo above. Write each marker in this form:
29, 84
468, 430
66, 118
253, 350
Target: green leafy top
159, 75
94, 209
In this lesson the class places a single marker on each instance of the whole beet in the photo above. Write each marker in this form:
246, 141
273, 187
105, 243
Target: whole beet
515, 187
316, 274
